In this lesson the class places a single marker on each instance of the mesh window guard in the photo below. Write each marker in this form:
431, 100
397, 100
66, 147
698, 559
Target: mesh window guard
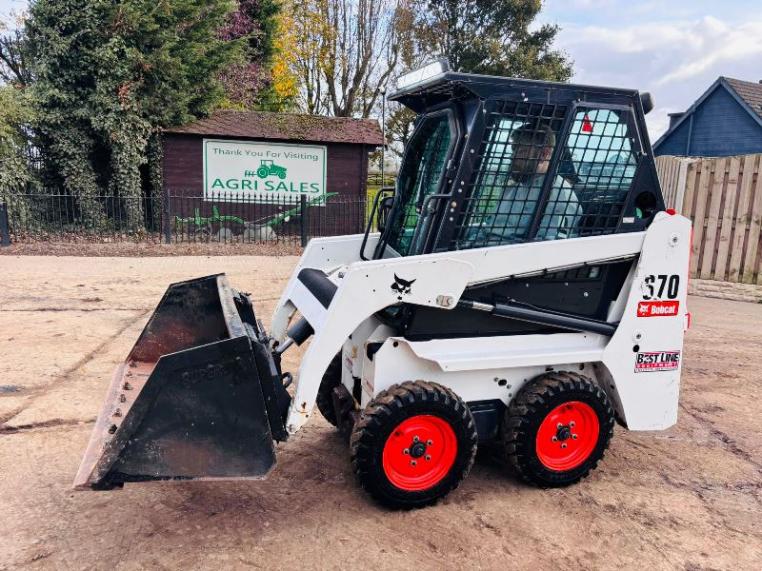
588, 196
504, 191
589, 188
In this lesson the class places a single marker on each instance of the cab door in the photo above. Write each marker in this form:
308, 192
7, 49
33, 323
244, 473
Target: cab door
421, 177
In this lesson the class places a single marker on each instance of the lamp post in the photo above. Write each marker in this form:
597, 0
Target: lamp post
383, 134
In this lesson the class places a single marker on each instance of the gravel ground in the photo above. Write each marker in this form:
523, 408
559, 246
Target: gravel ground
686, 498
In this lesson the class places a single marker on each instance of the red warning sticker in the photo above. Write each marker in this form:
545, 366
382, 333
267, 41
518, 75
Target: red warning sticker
657, 361
658, 308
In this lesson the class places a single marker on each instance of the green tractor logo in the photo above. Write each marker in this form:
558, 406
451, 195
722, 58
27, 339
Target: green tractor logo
268, 168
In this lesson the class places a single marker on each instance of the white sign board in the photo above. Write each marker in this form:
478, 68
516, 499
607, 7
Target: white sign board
263, 172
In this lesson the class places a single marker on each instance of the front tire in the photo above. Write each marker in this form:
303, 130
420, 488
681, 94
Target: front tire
331, 380
413, 444
557, 429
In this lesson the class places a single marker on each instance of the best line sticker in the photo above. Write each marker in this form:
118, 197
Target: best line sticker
657, 361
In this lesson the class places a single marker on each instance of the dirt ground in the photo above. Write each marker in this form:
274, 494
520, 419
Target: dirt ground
145, 248
686, 498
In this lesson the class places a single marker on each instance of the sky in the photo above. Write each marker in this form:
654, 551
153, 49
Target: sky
673, 48
9, 6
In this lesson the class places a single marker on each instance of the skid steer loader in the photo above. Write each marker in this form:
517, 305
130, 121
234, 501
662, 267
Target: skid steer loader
525, 288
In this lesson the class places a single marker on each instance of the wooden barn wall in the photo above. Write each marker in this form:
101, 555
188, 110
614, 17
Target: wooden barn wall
346, 174
723, 197
184, 168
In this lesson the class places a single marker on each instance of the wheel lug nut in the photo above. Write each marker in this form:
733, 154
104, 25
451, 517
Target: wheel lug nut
415, 439
429, 442
428, 458
563, 445
559, 426
554, 439
574, 437
572, 424
406, 451
413, 463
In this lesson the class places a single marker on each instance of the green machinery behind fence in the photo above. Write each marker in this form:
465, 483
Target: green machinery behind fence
198, 222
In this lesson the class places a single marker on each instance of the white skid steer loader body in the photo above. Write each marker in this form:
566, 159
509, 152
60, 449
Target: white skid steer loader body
639, 366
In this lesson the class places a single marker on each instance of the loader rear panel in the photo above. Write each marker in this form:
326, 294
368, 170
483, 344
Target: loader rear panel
198, 397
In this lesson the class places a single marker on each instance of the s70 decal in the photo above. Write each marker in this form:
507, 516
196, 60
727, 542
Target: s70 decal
661, 286
659, 293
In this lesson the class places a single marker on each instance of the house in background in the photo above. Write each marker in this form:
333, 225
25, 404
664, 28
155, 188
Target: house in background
726, 120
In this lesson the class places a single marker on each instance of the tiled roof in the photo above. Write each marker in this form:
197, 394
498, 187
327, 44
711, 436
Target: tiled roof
749, 91
285, 126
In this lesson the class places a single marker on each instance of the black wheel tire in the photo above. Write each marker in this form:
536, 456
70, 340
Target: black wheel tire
536, 400
384, 414
331, 379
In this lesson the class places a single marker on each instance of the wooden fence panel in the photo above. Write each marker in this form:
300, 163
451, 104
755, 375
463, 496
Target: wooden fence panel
669, 177
723, 197
702, 195
716, 191
688, 205
741, 222
750, 268
727, 215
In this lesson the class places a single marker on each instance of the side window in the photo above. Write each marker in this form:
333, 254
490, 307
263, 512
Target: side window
505, 188
593, 177
419, 177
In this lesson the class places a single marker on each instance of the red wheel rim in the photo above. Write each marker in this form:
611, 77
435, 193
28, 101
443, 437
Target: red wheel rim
567, 436
419, 452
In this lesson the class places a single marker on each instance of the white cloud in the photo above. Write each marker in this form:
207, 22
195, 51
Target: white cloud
675, 60
721, 45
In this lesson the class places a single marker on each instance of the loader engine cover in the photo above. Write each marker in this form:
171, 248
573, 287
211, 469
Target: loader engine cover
199, 396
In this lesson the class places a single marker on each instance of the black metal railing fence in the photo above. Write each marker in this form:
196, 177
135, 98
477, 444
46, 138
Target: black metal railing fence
177, 217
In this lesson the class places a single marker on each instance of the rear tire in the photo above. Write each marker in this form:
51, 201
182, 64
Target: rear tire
557, 429
413, 444
331, 380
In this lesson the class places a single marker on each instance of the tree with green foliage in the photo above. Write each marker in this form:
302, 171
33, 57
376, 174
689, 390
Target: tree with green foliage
476, 36
16, 112
15, 117
494, 38
109, 75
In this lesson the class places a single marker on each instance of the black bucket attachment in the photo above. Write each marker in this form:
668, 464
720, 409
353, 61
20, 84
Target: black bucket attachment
200, 395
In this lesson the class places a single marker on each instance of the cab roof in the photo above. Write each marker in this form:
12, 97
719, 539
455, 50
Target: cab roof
455, 86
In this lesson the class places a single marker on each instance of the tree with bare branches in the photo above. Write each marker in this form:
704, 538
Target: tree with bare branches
344, 53
13, 68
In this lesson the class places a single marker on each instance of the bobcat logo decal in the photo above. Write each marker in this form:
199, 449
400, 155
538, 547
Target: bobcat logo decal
401, 287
